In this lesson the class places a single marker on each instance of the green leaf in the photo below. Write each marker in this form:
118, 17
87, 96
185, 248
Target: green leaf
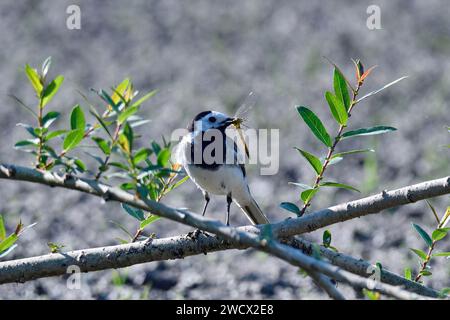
152, 218
141, 155
77, 119
337, 108
144, 98
51, 90
34, 78
120, 90
103, 145
441, 254
345, 153
307, 195
80, 165
422, 255
326, 238
438, 234
315, 125
136, 213
367, 131
2, 228
26, 143
49, 118
163, 157
338, 185
46, 66
23, 105
408, 274
423, 234
312, 159
72, 139
340, 89
127, 113
425, 273
179, 183
8, 242
291, 207
54, 134
433, 210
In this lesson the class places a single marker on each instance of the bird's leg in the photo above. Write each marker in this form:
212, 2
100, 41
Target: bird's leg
206, 195
229, 200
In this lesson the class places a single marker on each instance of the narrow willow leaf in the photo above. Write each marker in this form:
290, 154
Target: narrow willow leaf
120, 90
441, 254
127, 113
446, 218
301, 185
312, 159
439, 234
81, 166
180, 182
422, 255
307, 195
26, 143
346, 153
144, 98
8, 242
341, 90
381, 89
163, 157
136, 213
426, 273
408, 273
34, 78
77, 119
152, 218
291, 207
73, 138
51, 89
7, 251
337, 108
49, 118
338, 185
141, 155
316, 126
54, 134
334, 160
2, 228
423, 234
368, 131
121, 227
46, 66
326, 238
103, 145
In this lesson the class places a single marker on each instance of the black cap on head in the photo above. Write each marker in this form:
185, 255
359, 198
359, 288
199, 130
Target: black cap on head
197, 117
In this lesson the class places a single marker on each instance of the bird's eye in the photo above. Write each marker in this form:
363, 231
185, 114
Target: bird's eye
212, 119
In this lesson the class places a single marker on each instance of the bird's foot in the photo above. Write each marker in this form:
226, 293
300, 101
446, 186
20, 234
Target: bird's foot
196, 233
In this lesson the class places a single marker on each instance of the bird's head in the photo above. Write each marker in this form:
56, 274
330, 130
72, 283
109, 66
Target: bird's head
211, 120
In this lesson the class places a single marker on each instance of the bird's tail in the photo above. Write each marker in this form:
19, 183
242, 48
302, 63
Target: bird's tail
253, 212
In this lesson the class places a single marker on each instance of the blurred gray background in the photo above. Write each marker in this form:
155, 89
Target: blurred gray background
209, 55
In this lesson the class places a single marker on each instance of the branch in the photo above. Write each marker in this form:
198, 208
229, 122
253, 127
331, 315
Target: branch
124, 255
413, 193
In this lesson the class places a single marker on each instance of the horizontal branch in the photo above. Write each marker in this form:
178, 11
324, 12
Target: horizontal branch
124, 255
239, 236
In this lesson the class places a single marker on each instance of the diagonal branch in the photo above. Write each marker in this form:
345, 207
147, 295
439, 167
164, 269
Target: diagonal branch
295, 257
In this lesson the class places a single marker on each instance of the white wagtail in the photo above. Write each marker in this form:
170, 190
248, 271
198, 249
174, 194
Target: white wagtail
219, 170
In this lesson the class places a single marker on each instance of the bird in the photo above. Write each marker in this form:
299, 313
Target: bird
222, 172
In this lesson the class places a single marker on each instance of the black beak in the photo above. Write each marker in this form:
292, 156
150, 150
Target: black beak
227, 122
